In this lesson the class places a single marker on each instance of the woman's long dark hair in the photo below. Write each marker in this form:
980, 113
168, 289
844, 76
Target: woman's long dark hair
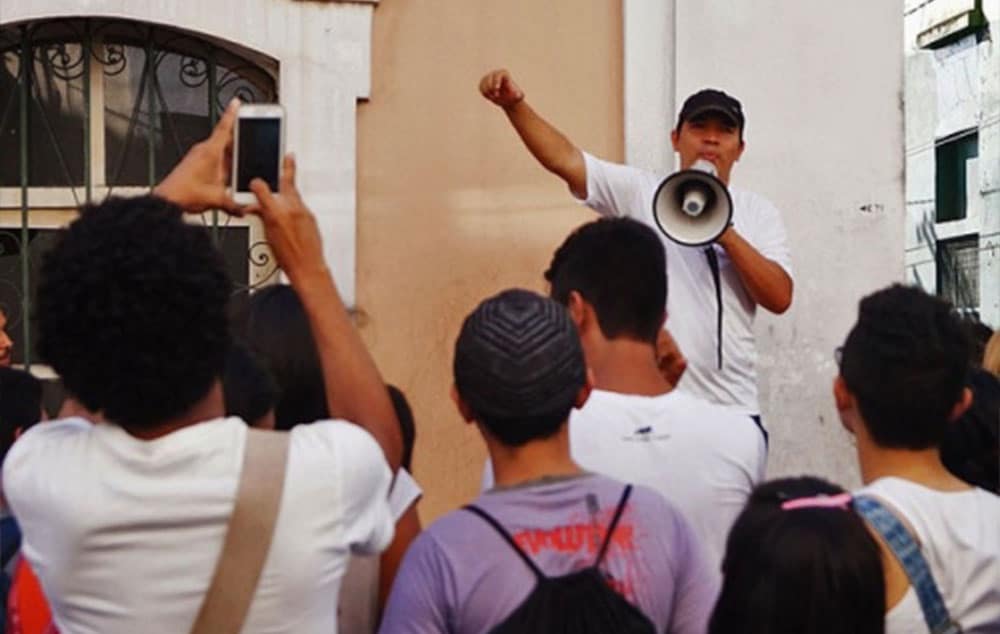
276, 327
807, 571
274, 324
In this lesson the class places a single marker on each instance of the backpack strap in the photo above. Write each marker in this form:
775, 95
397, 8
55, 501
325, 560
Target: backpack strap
614, 524
906, 551
248, 536
506, 536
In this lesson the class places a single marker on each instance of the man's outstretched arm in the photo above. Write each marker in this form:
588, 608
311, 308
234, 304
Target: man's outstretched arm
548, 145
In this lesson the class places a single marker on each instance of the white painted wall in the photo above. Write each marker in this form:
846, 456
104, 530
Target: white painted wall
649, 87
324, 53
821, 85
948, 90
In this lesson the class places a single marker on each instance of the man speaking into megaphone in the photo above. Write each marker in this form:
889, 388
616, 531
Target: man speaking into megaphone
726, 247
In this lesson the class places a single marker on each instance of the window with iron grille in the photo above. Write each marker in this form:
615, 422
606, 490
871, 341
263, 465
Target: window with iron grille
97, 107
958, 271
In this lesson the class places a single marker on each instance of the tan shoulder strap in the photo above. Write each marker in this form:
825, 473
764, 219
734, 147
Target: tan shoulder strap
248, 536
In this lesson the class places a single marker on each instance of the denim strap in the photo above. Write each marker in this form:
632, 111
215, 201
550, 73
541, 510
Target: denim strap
908, 554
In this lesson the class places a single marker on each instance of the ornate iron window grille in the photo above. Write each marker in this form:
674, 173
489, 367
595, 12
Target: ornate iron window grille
66, 140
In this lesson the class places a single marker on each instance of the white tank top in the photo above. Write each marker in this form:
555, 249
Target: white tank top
959, 534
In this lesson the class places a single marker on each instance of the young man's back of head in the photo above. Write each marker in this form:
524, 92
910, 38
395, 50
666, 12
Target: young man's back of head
132, 311
519, 366
902, 385
906, 362
617, 265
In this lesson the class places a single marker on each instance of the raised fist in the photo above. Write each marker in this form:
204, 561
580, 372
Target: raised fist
499, 87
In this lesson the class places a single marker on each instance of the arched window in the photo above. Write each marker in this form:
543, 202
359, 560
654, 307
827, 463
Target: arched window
94, 107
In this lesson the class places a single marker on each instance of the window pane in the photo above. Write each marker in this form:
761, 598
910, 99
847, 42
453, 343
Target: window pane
951, 186
10, 112
55, 107
126, 117
182, 105
56, 113
169, 104
958, 271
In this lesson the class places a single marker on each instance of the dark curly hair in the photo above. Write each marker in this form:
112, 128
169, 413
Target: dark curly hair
131, 311
619, 266
906, 361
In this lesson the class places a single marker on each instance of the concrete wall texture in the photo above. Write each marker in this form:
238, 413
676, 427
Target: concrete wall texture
950, 90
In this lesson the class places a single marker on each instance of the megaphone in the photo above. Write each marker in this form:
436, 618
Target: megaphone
693, 207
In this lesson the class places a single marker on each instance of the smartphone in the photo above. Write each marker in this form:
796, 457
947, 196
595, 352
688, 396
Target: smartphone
258, 146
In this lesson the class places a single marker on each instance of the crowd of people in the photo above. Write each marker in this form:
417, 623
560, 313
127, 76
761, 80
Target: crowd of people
222, 468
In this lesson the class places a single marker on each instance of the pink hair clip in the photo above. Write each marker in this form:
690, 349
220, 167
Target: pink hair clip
839, 501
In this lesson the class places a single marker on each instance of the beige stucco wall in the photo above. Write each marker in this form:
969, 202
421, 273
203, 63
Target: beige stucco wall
451, 208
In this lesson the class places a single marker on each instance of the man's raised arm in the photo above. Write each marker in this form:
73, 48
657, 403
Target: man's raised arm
548, 145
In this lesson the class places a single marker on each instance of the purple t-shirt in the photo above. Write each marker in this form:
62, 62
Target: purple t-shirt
461, 577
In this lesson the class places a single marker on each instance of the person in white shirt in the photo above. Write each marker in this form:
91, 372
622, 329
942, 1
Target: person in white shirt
124, 520
702, 457
902, 382
715, 331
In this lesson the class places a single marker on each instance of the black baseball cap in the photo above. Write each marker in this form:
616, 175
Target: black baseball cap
711, 101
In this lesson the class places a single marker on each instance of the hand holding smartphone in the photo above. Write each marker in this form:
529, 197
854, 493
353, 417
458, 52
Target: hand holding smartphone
258, 147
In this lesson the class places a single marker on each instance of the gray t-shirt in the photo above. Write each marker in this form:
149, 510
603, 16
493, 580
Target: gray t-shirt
461, 577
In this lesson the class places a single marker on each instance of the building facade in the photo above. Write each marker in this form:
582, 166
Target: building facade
953, 152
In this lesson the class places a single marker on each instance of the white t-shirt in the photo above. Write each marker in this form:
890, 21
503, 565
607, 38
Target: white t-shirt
124, 534
703, 458
619, 190
358, 609
959, 535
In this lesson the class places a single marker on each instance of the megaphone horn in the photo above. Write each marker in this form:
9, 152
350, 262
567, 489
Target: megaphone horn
693, 207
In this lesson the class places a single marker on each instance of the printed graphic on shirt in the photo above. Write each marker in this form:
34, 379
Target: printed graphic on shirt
584, 536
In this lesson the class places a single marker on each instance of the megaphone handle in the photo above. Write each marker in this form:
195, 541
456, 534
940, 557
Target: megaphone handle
713, 264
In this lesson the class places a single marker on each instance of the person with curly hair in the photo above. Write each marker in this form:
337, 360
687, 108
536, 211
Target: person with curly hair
124, 520
902, 384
